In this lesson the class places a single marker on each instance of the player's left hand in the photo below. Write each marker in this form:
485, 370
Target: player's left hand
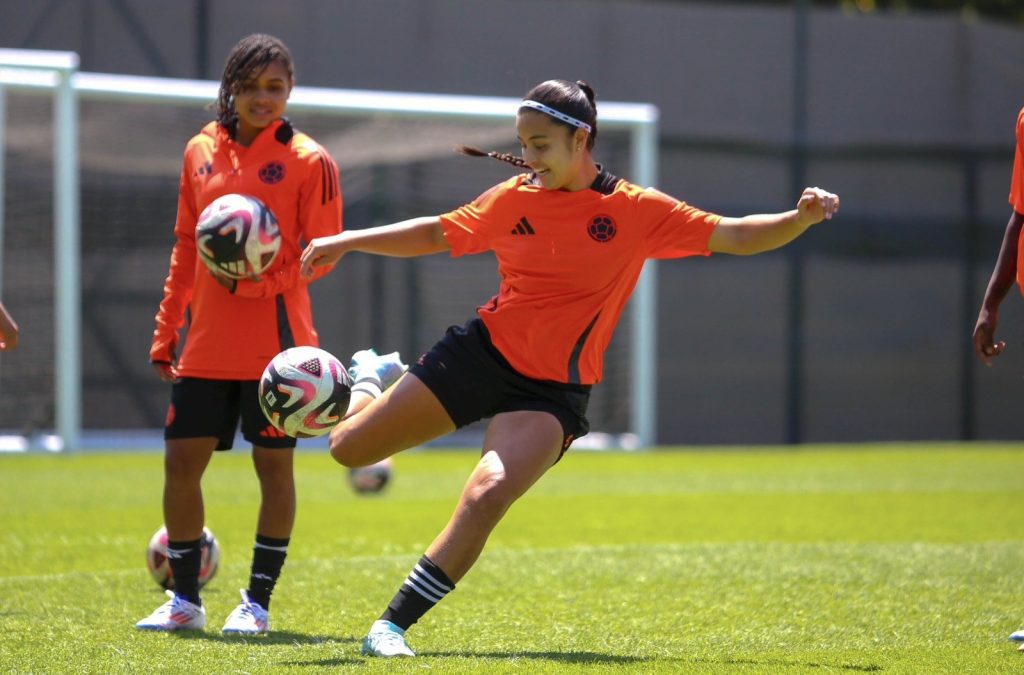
816, 205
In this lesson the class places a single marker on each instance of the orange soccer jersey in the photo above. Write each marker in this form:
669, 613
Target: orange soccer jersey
233, 336
1017, 193
568, 262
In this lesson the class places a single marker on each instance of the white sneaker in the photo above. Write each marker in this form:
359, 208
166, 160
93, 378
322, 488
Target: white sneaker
382, 371
249, 618
386, 639
175, 614
1017, 636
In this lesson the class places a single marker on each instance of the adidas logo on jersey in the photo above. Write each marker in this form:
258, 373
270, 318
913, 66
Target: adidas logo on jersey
205, 170
523, 227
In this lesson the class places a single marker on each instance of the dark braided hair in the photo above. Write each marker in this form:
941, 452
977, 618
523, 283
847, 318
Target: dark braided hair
247, 59
575, 99
503, 156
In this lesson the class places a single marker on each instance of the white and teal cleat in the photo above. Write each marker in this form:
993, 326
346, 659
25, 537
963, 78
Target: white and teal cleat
390, 368
1017, 636
363, 364
387, 640
375, 371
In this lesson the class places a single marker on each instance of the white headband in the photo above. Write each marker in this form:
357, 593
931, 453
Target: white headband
557, 115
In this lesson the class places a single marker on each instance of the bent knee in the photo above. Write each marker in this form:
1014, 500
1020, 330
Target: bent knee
343, 455
341, 446
353, 449
489, 490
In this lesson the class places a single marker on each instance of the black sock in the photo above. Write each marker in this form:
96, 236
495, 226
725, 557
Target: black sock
185, 558
425, 586
267, 559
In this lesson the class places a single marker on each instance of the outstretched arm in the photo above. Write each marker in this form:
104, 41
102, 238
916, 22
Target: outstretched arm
1003, 276
759, 233
407, 239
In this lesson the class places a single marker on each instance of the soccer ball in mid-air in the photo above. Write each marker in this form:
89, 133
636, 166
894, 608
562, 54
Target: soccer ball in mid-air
160, 569
370, 479
237, 236
304, 392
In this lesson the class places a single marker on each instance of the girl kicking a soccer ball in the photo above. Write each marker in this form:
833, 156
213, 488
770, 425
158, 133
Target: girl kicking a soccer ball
571, 240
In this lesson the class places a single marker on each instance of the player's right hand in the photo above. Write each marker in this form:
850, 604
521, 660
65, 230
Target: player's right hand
321, 251
165, 371
985, 345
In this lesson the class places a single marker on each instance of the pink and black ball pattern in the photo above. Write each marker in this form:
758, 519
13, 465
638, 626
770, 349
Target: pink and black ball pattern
304, 392
237, 236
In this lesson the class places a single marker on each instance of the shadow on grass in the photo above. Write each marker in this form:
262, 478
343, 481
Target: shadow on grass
582, 658
589, 658
574, 657
324, 662
779, 663
596, 658
278, 637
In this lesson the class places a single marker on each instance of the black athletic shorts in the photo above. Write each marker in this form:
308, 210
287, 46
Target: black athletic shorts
473, 381
201, 408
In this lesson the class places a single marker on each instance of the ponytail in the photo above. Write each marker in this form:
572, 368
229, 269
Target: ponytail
503, 156
574, 99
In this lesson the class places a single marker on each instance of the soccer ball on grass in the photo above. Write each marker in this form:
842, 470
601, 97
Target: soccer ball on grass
237, 236
370, 479
304, 392
160, 568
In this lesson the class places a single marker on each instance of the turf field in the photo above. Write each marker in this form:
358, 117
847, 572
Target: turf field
893, 559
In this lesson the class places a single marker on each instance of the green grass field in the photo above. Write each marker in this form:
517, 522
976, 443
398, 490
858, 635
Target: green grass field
894, 559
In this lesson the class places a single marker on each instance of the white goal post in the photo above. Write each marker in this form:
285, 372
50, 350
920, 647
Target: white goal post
55, 73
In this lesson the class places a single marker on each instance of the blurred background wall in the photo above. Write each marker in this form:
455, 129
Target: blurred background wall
859, 332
